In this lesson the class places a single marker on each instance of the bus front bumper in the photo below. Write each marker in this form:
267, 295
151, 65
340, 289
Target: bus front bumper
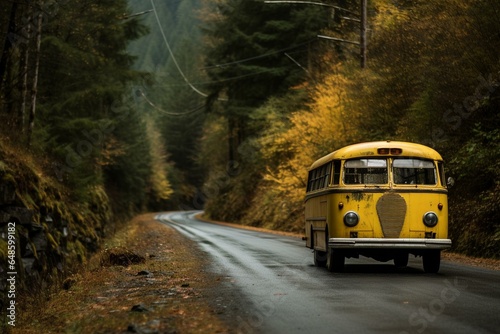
388, 243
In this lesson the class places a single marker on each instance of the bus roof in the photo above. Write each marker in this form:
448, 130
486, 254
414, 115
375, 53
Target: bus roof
370, 149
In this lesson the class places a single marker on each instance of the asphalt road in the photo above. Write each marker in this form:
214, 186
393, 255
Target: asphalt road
277, 289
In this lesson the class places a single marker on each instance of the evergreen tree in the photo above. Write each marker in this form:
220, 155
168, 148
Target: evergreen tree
174, 98
84, 74
254, 55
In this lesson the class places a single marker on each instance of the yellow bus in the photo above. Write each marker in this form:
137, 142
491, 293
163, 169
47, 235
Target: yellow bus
383, 200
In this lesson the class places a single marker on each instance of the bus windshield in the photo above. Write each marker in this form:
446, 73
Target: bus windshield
414, 171
365, 171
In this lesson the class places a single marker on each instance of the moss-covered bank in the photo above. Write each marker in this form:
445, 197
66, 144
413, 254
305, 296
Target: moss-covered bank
53, 233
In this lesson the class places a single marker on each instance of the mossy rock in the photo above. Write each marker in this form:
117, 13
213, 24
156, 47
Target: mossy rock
119, 256
52, 242
77, 250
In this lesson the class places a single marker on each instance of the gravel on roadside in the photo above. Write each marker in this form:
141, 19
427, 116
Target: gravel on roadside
170, 291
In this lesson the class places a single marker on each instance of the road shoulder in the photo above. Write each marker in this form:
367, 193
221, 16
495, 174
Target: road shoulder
170, 292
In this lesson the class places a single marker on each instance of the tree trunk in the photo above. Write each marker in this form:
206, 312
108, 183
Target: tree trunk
34, 87
8, 43
20, 121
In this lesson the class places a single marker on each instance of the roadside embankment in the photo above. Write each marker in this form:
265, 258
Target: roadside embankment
45, 235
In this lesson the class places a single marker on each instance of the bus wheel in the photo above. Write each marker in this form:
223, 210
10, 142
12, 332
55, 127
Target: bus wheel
401, 260
319, 258
431, 261
335, 261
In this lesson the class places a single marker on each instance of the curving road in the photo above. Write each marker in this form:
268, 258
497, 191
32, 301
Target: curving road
277, 289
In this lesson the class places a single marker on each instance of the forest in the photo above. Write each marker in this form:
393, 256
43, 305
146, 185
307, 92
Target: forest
280, 97
222, 105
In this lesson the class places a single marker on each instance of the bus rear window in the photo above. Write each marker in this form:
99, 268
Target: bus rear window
414, 171
365, 171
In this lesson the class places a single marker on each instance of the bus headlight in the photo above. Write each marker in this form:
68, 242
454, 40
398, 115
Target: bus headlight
351, 219
430, 219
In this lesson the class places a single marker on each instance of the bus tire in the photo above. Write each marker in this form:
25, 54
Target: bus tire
335, 261
431, 261
319, 258
401, 260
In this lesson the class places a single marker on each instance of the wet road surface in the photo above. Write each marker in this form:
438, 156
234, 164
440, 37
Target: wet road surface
277, 289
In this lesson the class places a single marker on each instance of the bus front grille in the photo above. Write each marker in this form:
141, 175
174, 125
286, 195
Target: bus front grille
391, 211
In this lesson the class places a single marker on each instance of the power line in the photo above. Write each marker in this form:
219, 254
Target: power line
167, 112
217, 65
222, 80
172, 54
125, 17
363, 23
186, 80
310, 3
260, 56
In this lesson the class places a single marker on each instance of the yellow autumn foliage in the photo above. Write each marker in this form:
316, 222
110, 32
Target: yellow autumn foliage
326, 124
388, 14
159, 182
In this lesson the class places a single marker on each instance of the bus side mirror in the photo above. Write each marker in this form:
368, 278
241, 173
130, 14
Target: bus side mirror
450, 182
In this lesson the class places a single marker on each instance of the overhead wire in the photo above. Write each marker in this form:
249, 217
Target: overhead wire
224, 80
259, 56
191, 85
172, 54
148, 101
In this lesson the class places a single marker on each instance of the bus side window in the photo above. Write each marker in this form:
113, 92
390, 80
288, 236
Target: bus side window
441, 173
319, 178
327, 174
308, 182
336, 171
315, 179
